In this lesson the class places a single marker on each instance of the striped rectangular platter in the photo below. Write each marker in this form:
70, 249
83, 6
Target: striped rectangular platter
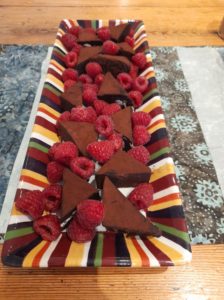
24, 248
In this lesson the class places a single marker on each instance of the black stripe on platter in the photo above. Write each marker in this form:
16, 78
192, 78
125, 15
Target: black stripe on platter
20, 225
34, 140
92, 252
157, 135
170, 212
177, 240
35, 165
122, 254
50, 103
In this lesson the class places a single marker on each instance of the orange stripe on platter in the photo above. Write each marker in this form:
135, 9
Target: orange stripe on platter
33, 181
156, 123
39, 255
166, 198
47, 112
57, 65
144, 257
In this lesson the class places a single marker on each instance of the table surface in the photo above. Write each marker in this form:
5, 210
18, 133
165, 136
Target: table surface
168, 23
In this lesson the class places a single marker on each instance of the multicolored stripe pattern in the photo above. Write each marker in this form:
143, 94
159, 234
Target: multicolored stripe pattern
25, 248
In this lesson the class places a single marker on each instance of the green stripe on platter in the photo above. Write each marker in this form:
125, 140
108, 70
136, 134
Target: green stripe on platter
52, 89
139, 25
150, 93
160, 152
38, 147
94, 24
58, 50
99, 250
18, 232
180, 234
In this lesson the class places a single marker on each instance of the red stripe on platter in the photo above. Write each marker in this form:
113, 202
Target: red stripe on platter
177, 223
47, 112
158, 145
37, 258
144, 257
156, 111
108, 257
58, 55
51, 96
59, 255
164, 182
33, 181
163, 259
38, 155
46, 124
54, 73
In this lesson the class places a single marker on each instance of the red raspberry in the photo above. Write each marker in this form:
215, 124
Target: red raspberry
99, 79
52, 197
139, 59
125, 80
83, 167
31, 204
110, 109
136, 98
140, 153
71, 59
93, 69
101, 151
131, 32
116, 138
140, 118
79, 234
110, 47
103, 33
140, 84
65, 116
140, 135
68, 83
54, 171
68, 40
133, 71
52, 150
69, 74
92, 86
130, 40
65, 152
74, 30
90, 213
83, 114
84, 78
142, 196
99, 105
89, 95
76, 48
48, 227
104, 125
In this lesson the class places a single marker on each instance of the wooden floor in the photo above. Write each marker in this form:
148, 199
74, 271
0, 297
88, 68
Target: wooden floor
168, 23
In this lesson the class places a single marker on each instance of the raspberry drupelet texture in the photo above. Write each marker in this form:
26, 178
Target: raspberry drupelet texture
54, 171
65, 152
83, 167
139, 59
71, 59
84, 78
74, 30
52, 150
104, 125
116, 138
103, 33
99, 106
93, 69
52, 197
142, 196
125, 80
83, 114
140, 118
79, 234
69, 74
48, 227
68, 40
110, 109
90, 213
101, 151
89, 95
99, 79
136, 98
140, 84
65, 116
68, 83
140, 135
110, 47
140, 153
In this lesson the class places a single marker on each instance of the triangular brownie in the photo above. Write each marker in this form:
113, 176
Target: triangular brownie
81, 133
75, 189
112, 63
111, 90
119, 32
121, 215
72, 97
122, 122
123, 170
85, 54
126, 50
88, 37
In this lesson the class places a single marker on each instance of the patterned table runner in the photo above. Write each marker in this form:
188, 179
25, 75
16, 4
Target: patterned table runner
202, 197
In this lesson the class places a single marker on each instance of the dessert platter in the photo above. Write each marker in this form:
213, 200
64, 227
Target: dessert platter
98, 185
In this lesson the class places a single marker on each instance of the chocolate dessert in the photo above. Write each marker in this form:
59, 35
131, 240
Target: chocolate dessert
111, 90
85, 54
123, 170
126, 50
75, 189
81, 133
119, 32
72, 97
88, 37
122, 122
121, 215
112, 63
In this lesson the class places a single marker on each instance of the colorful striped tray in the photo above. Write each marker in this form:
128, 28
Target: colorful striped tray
24, 248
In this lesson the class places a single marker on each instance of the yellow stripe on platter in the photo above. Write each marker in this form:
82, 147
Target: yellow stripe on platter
60, 45
55, 80
45, 132
151, 105
150, 75
28, 260
15, 212
61, 31
173, 254
162, 124
159, 206
49, 109
162, 171
75, 255
55, 63
34, 175
136, 260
